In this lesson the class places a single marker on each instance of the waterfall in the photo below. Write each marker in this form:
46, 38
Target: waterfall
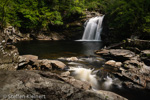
93, 29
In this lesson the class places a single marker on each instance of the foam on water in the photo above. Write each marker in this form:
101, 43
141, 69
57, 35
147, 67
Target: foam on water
88, 75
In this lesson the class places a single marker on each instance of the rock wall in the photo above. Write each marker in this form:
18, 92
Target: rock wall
8, 54
129, 62
12, 35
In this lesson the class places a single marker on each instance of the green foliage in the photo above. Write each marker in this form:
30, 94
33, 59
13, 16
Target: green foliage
125, 17
93, 5
76, 10
128, 17
146, 25
38, 14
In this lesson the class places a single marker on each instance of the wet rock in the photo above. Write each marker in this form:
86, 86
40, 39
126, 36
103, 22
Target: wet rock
8, 57
117, 54
136, 76
132, 64
110, 95
72, 59
43, 64
92, 14
37, 64
30, 57
65, 73
8, 54
145, 56
129, 68
140, 44
49, 36
145, 53
148, 85
14, 35
122, 53
22, 61
58, 65
69, 59
113, 63
47, 85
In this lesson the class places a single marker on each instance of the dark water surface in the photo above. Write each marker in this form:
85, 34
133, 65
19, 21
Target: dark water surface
56, 49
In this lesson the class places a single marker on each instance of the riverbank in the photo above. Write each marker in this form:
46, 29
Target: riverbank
70, 31
123, 66
21, 78
129, 61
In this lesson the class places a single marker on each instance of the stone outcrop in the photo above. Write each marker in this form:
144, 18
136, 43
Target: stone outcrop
49, 36
14, 35
128, 66
8, 57
140, 44
119, 54
8, 54
29, 85
31, 62
92, 14
69, 59
145, 56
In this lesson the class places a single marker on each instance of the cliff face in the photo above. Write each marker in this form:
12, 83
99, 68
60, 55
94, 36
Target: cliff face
8, 54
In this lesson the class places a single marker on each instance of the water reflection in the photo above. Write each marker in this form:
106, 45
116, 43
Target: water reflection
88, 48
56, 49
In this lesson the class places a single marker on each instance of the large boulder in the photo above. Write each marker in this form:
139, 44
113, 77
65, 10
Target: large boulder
31, 62
58, 64
30, 57
29, 85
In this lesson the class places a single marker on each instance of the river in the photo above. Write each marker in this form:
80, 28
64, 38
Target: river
84, 51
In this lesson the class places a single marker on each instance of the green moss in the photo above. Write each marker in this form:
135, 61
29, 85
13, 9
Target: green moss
106, 98
124, 41
148, 55
139, 66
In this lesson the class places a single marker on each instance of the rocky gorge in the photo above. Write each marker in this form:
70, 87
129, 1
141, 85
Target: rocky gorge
24, 75
27, 77
33, 84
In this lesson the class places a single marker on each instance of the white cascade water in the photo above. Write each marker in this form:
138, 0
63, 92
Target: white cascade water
93, 29
89, 76
84, 74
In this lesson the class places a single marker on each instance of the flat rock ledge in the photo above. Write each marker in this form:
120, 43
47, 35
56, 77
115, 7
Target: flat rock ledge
118, 54
39, 85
